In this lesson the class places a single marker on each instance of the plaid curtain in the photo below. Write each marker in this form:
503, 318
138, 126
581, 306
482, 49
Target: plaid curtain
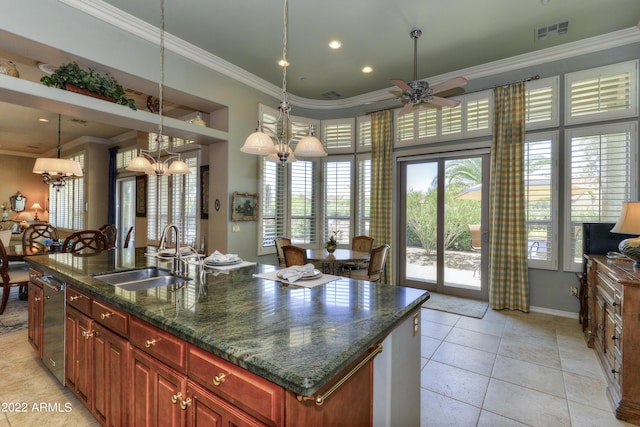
381, 177
508, 272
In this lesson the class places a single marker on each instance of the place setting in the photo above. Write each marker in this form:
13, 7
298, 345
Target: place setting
306, 276
219, 261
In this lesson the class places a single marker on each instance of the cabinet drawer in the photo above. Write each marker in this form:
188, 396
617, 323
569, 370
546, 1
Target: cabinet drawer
78, 300
34, 273
159, 344
110, 317
253, 394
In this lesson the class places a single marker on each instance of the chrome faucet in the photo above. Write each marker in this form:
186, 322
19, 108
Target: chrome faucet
178, 265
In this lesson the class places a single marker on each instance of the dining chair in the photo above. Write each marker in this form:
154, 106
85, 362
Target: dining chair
111, 233
36, 233
360, 244
12, 275
127, 239
280, 243
85, 240
476, 244
377, 262
294, 255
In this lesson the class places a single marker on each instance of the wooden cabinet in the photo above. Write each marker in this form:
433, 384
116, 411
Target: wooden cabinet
205, 409
110, 386
34, 315
158, 393
614, 330
78, 355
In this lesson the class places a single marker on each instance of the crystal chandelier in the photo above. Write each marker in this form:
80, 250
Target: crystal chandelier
261, 142
165, 162
55, 170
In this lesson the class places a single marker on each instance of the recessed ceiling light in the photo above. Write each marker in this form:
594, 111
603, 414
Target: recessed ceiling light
367, 69
283, 63
335, 44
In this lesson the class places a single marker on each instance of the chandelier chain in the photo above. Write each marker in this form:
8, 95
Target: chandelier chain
285, 62
161, 81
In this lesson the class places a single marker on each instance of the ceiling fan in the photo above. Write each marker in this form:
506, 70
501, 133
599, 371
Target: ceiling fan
418, 92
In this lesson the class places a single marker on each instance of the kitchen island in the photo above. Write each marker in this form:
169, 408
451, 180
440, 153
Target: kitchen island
293, 342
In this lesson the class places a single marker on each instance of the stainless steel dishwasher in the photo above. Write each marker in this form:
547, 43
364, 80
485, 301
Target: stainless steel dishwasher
53, 337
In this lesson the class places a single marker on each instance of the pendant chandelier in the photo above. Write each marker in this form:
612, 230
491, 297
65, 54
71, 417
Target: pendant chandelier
262, 142
55, 170
165, 162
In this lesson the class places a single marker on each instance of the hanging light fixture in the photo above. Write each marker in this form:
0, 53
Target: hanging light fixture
165, 162
261, 142
56, 170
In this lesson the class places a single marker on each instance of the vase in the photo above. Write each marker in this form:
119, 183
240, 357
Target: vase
331, 248
5, 215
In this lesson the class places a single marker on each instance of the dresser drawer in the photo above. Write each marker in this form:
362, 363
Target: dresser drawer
251, 393
110, 317
78, 300
163, 346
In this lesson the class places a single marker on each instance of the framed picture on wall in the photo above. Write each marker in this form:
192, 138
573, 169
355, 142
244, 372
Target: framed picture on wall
204, 192
141, 196
244, 207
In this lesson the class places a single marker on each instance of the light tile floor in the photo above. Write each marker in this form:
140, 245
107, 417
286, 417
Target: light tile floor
507, 369
510, 369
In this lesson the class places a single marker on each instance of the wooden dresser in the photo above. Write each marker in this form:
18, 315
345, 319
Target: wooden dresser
614, 330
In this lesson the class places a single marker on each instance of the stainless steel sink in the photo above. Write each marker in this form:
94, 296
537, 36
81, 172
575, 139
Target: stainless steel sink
146, 278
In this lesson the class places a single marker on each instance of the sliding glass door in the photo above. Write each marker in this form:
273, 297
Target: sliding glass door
442, 224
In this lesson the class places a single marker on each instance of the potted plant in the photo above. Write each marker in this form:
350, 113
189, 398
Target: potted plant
73, 78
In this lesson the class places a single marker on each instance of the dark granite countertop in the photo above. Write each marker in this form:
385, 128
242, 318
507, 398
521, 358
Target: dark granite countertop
296, 337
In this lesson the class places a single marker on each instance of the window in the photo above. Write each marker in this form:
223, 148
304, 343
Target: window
338, 135
337, 199
423, 125
363, 125
541, 193
603, 93
272, 206
541, 103
173, 198
67, 203
303, 176
364, 196
601, 172
124, 156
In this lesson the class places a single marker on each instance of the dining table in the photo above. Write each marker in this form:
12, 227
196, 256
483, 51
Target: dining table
333, 263
17, 251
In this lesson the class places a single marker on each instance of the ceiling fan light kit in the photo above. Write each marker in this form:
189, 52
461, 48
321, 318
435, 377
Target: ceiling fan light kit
418, 92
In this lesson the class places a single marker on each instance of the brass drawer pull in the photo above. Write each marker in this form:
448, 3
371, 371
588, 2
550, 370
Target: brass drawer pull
219, 379
149, 343
185, 403
87, 334
106, 315
37, 299
319, 399
73, 298
176, 397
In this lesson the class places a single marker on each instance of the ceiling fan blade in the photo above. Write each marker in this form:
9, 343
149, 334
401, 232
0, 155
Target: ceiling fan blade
449, 84
401, 84
444, 101
407, 107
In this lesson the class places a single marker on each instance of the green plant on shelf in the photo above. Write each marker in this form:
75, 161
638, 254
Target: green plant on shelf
106, 85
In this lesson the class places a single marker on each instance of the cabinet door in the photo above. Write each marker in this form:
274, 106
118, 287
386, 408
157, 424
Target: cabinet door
156, 392
110, 358
34, 324
205, 409
78, 356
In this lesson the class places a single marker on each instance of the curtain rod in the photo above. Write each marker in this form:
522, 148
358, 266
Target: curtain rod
536, 77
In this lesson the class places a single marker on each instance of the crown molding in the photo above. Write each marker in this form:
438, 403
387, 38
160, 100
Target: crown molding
117, 18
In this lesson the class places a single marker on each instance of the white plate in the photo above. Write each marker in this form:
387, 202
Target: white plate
306, 276
172, 251
219, 263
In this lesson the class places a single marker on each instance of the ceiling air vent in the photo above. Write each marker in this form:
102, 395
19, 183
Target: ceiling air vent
552, 30
332, 94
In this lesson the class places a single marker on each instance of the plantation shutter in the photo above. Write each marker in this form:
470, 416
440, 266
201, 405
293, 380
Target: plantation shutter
364, 132
427, 123
338, 206
405, 129
603, 93
303, 202
477, 112
364, 197
600, 179
338, 134
451, 120
67, 203
272, 203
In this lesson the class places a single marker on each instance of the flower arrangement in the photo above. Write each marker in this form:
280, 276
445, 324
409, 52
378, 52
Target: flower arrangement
4, 206
332, 243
